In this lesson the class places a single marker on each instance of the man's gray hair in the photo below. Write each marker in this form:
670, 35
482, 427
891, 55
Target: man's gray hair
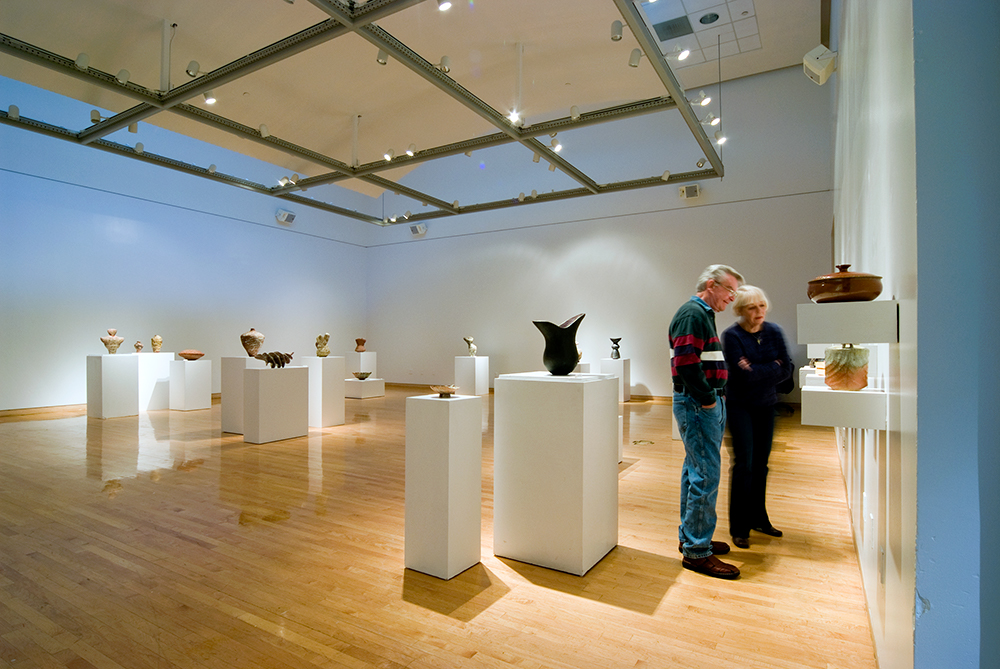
717, 273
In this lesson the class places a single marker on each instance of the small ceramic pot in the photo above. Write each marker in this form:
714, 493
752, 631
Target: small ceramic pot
844, 286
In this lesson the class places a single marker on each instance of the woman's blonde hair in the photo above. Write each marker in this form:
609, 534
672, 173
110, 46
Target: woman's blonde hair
747, 295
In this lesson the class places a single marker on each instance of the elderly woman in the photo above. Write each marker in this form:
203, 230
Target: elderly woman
758, 361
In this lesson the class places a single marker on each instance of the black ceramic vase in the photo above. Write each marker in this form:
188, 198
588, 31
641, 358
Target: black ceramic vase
560, 355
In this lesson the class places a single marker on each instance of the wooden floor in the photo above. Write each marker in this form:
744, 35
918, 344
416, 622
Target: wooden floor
157, 542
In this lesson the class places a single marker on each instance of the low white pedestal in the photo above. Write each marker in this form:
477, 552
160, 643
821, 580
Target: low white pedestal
154, 380
326, 390
444, 444
555, 476
366, 361
472, 374
582, 368
232, 390
275, 404
112, 385
622, 369
359, 390
867, 409
190, 384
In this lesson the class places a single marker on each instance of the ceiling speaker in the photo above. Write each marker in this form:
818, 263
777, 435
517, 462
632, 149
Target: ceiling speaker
284, 217
690, 191
819, 64
418, 229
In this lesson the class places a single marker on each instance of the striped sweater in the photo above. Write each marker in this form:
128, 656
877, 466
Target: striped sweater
696, 362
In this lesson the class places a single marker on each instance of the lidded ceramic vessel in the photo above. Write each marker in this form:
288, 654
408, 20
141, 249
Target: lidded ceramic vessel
845, 286
252, 341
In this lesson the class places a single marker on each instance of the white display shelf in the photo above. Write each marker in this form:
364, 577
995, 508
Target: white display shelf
112, 385
844, 408
621, 368
190, 384
848, 322
444, 455
555, 469
275, 404
154, 380
232, 390
360, 390
326, 390
472, 374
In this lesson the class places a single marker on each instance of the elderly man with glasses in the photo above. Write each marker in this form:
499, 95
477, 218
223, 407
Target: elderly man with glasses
699, 373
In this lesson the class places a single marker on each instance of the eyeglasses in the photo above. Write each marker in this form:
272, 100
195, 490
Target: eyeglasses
731, 291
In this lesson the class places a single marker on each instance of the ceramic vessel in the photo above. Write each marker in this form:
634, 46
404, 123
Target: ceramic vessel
844, 286
275, 358
360, 348
444, 391
321, 345
615, 354
190, 354
361, 376
138, 346
561, 353
846, 367
472, 347
252, 341
157, 342
112, 341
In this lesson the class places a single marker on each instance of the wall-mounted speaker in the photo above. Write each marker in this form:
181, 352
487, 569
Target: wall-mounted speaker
418, 229
284, 217
819, 64
690, 191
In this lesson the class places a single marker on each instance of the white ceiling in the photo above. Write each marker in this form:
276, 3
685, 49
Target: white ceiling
542, 56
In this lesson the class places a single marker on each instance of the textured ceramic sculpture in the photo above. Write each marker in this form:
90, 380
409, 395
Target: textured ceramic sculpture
472, 347
190, 354
275, 359
138, 346
846, 367
361, 376
615, 354
322, 350
444, 391
561, 353
844, 286
157, 342
360, 348
112, 342
251, 341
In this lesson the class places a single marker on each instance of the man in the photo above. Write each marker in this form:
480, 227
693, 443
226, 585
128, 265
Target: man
699, 375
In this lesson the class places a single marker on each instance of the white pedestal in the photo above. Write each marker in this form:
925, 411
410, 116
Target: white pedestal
555, 469
326, 390
844, 408
622, 369
444, 444
472, 374
621, 438
359, 390
190, 384
232, 390
275, 404
154, 380
582, 368
366, 361
112, 385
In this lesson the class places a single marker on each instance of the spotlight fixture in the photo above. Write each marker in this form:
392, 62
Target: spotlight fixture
82, 61
455, 204
123, 76
520, 197
193, 69
212, 168
514, 116
633, 59
382, 57
616, 31
283, 181
209, 98
411, 149
95, 116
700, 163
468, 154
392, 219
535, 158
389, 155
711, 119
133, 127
574, 112
444, 65
679, 53
407, 214
555, 144
552, 167
702, 99
720, 139
534, 194
139, 148
665, 176
294, 179
444, 5
13, 113
264, 132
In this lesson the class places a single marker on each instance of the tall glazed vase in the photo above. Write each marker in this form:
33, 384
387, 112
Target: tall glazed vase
561, 354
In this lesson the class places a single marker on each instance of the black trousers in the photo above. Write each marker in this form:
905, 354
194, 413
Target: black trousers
751, 429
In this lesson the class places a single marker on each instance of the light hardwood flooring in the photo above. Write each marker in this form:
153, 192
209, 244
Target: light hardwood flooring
158, 542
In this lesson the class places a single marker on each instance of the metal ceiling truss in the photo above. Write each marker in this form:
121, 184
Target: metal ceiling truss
347, 18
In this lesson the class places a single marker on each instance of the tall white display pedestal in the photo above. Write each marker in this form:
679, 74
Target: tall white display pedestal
190, 384
622, 369
112, 385
154, 380
232, 390
275, 404
472, 374
555, 481
326, 390
444, 443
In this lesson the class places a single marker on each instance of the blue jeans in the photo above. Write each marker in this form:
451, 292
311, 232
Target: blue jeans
701, 430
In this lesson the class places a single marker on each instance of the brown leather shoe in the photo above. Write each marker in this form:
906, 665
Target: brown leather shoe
711, 566
718, 547
741, 542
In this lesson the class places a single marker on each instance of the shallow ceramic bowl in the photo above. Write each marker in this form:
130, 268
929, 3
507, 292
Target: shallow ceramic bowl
844, 286
444, 391
190, 354
361, 376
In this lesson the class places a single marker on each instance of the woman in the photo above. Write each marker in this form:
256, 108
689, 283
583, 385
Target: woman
758, 361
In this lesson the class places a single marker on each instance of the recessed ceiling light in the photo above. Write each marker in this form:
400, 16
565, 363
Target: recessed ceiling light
709, 19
